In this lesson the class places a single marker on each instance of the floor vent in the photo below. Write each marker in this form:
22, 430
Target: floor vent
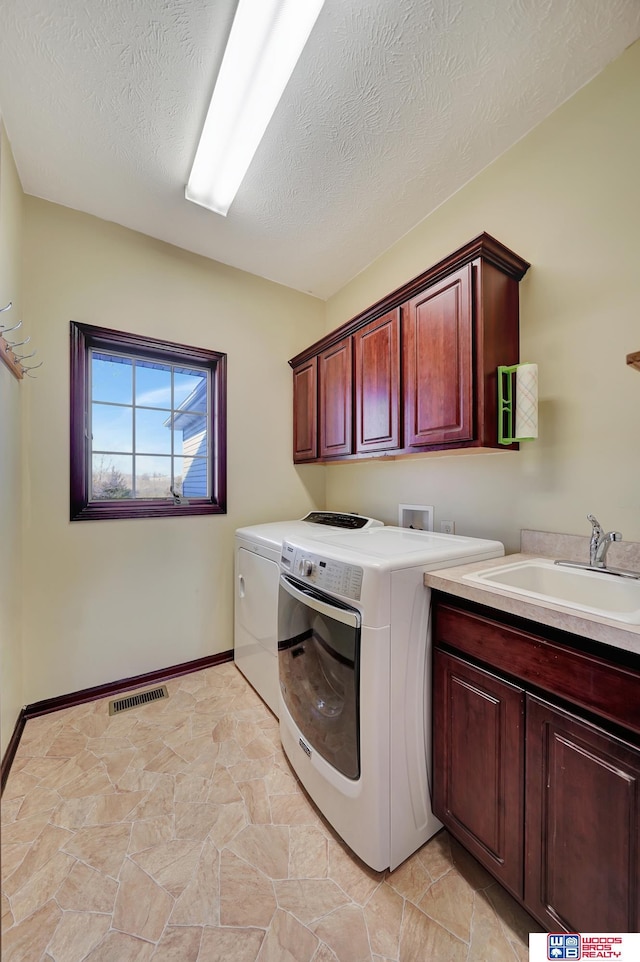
132, 701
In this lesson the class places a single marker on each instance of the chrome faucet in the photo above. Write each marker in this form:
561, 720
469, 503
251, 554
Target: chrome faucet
599, 543
598, 547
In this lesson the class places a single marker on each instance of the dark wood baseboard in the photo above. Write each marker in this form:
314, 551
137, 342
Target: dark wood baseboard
102, 691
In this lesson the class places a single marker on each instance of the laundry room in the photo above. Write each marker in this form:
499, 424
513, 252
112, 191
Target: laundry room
89, 602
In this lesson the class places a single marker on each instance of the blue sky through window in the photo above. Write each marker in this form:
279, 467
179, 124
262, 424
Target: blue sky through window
135, 405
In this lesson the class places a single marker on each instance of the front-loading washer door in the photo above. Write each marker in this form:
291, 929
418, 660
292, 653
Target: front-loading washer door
319, 669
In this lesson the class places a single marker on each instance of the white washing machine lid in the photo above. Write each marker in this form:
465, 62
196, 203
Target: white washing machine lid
390, 547
316, 524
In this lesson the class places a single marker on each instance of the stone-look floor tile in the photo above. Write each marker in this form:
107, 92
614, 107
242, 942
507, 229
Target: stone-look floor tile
345, 933
195, 821
243, 771
86, 890
435, 855
421, 938
18, 785
516, 922
117, 763
309, 899
215, 837
38, 801
246, 895
222, 788
119, 947
230, 821
230, 945
179, 943
12, 855
266, 847
292, 810
7, 914
76, 935
150, 831
468, 867
287, 941
28, 940
108, 744
113, 808
9, 809
449, 901
308, 852
352, 875
279, 782
171, 864
256, 801
72, 813
23, 829
45, 846
199, 903
191, 789
93, 782
42, 886
67, 744
142, 908
383, 916
488, 940
325, 954
103, 848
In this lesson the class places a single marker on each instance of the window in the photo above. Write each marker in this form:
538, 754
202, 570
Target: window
148, 427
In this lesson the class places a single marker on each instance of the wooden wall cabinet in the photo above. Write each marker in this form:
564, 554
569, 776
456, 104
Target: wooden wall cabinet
305, 411
417, 371
565, 840
377, 384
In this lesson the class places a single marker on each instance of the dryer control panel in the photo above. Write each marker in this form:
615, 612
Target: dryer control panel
334, 577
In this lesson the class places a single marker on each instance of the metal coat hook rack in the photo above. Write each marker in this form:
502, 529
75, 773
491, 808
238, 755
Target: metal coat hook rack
7, 350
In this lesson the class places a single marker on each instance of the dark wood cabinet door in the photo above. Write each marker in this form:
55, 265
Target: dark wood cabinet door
582, 832
438, 362
376, 350
335, 376
478, 757
305, 412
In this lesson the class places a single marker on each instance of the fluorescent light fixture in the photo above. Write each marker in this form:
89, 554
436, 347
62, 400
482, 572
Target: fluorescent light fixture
265, 43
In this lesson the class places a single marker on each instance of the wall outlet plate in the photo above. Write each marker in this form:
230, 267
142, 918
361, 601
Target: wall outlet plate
448, 527
418, 516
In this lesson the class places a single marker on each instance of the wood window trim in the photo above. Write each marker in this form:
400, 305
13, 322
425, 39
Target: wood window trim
85, 337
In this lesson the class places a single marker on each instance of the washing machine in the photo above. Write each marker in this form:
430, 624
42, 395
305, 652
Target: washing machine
354, 655
257, 574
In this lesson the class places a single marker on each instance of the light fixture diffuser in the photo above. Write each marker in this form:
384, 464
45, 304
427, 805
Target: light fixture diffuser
265, 43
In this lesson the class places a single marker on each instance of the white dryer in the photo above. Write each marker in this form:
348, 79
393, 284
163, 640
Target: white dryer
257, 574
355, 678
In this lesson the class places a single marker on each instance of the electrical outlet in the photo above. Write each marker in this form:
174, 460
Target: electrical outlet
448, 527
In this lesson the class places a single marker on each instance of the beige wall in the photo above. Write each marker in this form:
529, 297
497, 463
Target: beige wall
12, 394
567, 199
110, 599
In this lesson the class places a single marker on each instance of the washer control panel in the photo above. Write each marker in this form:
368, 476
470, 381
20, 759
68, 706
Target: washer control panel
334, 577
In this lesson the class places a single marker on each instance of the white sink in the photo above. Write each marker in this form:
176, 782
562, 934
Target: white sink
590, 591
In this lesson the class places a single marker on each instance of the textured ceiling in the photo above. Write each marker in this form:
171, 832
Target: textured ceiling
393, 107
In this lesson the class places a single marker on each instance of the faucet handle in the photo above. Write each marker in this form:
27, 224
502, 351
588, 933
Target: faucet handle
595, 524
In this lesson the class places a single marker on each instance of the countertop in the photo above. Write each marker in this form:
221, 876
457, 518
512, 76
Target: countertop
604, 630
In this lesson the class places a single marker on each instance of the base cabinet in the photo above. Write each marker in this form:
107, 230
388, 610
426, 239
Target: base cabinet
582, 834
479, 758
545, 794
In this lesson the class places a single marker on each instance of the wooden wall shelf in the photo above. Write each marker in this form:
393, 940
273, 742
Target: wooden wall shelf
633, 360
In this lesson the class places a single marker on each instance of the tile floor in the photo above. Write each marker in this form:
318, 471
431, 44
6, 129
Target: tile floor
176, 832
